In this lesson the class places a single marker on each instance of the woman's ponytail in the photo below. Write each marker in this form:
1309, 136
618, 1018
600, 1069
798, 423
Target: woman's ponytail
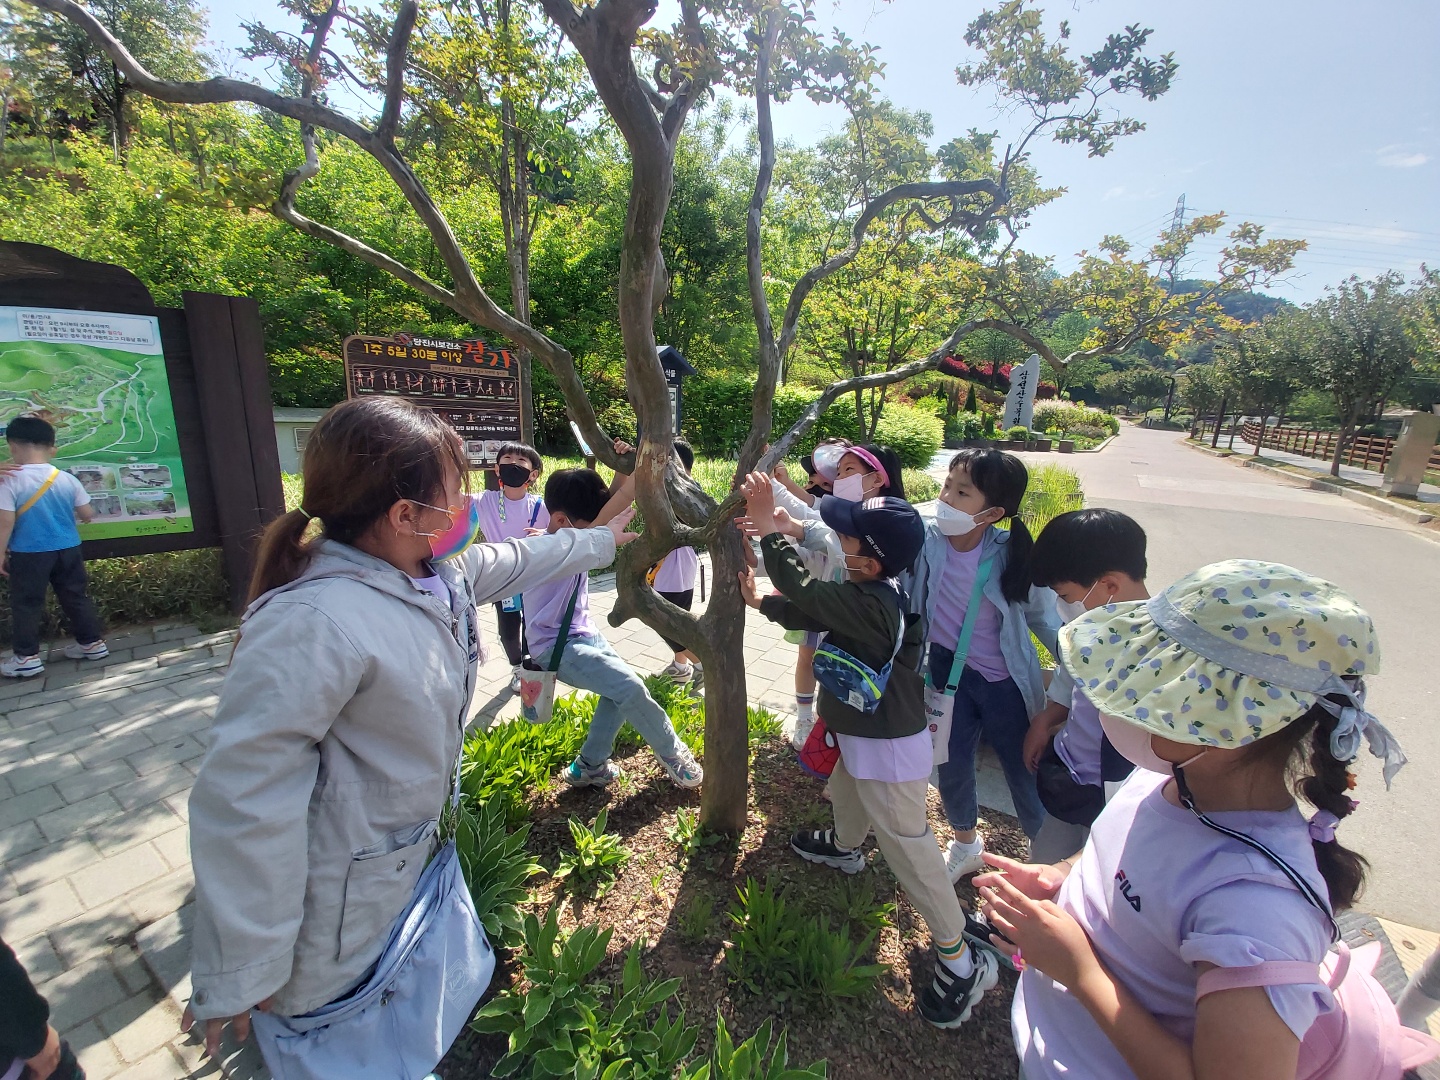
282, 553
1327, 788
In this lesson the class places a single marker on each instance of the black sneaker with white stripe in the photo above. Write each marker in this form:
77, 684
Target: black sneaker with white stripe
947, 1001
818, 846
978, 931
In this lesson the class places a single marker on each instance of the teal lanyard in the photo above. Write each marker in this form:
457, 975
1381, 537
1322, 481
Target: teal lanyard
967, 628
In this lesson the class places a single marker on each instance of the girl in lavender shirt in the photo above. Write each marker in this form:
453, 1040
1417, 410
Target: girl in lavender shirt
1203, 859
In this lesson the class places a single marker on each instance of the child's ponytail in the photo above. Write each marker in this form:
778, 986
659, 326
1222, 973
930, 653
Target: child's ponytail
1327, 788
1015, 581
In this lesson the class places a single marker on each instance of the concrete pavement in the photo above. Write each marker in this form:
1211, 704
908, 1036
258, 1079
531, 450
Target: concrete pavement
1199, 509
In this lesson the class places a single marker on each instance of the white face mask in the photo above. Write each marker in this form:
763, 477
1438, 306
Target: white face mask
851, 488
1067, 611
1133, 743
953, 522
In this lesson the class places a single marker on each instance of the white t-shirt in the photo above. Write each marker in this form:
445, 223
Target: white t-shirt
1157, 892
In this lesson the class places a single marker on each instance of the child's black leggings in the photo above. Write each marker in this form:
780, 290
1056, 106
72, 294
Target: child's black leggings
31, 572
511, 625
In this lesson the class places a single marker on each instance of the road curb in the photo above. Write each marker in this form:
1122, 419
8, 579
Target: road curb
1375, 502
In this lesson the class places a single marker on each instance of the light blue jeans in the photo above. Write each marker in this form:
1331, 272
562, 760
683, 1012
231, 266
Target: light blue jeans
589, 663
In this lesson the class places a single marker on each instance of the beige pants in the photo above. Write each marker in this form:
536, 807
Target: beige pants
902, 830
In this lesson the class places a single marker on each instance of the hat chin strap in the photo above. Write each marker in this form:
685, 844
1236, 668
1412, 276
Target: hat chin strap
1353, 719
1187, 800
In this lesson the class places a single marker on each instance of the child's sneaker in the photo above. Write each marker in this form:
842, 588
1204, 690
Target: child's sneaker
683, 768
96, 650
578, 774
977, 933
947, 1001
515, 679
962, 859
22, 667
677, 672
697, 681
818, 846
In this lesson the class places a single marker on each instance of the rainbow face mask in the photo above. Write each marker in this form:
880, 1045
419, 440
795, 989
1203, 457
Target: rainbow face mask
464, 530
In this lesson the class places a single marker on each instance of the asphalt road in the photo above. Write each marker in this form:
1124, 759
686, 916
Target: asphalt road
1198, 509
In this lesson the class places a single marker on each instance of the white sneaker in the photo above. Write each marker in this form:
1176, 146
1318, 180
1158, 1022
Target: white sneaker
682, 768
803, 726
22, 667
515, 679
677, 672
96, 650
962, 859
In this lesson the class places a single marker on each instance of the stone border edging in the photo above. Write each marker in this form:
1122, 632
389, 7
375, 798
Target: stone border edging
1375, 502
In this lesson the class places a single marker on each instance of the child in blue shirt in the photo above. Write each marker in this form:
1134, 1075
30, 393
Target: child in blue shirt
38, 507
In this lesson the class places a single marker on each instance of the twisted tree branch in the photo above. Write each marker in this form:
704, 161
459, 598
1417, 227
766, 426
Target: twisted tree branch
395, 69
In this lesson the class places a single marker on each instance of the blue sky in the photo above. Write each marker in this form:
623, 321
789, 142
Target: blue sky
1317, 119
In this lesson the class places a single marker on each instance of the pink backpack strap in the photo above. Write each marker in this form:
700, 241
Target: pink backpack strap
1276, 973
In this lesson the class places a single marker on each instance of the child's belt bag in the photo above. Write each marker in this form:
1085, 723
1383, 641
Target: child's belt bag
852, 680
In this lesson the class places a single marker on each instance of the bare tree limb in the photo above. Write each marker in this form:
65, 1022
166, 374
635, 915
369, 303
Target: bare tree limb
951, 189
395, 69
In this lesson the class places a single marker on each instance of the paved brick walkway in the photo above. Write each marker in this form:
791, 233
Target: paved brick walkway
96, 765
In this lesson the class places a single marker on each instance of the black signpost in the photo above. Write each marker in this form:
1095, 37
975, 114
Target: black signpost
470, 384
676, 367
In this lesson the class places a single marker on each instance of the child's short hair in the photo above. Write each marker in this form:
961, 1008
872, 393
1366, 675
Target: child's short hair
30, 430
579, 494
525, 450
685, 453
1083, 545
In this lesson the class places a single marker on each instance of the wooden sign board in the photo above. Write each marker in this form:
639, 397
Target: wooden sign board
471, 385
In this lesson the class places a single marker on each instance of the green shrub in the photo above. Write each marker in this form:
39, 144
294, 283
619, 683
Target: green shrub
748, 1060
920, 486
914, 435
785, 953
971, 405
496, 865
1017, 434
139, 588
564, 1022
1063, 417
591, 868
963, 427
513, 760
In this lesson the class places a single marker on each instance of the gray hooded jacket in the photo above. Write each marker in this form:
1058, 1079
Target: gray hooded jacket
330, 760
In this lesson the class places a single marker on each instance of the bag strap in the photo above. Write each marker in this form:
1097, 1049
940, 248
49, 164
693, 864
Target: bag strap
54, 475
1275, 973
967, 629
535, 510
564, 638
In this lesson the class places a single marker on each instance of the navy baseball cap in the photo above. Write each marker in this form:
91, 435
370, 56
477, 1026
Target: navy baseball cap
891, 528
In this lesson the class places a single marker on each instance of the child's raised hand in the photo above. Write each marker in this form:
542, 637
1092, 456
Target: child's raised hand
1039, 881
1047, 937
622, 448
748, 591
760, 501
784, 523
617, 524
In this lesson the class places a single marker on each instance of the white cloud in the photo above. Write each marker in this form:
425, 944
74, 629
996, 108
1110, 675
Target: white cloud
1400, 157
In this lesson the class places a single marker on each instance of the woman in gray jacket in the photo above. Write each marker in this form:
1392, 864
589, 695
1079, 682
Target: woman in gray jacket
343, 712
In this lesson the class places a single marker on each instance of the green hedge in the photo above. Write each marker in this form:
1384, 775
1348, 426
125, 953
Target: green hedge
184, 584
1061, 417
717, 419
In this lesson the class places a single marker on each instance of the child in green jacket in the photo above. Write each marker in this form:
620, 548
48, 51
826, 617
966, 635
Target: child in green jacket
885, 755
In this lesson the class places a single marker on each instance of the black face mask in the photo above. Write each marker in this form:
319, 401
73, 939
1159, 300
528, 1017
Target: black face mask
514, 476
817, 490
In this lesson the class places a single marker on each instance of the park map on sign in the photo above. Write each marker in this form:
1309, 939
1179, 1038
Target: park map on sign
100, 379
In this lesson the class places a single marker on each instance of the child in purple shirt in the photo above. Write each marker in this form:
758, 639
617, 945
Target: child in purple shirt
510, 514
1235, 679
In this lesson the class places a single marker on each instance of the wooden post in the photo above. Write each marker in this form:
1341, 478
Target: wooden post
223, 346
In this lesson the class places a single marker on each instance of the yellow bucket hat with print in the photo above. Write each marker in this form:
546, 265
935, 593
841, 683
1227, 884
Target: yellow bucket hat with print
1230, 654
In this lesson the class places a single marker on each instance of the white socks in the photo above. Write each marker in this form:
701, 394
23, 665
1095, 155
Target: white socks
962, 966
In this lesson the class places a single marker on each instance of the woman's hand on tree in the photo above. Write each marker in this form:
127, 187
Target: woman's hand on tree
1039, 881
617, 524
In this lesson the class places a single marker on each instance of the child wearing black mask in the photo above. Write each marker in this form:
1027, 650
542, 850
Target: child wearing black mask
506, 514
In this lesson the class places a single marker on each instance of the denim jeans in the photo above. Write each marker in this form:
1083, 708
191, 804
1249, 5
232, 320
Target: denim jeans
589, 663
996, 710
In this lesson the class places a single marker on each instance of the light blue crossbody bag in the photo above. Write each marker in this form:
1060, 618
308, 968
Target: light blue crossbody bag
399, 1023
